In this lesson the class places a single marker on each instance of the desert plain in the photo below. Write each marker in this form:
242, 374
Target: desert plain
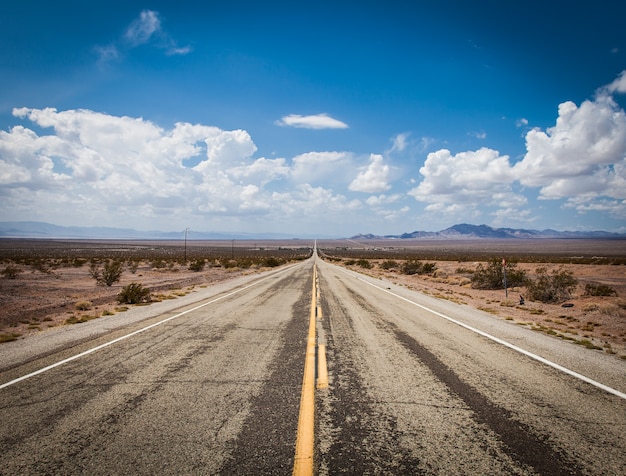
49, 283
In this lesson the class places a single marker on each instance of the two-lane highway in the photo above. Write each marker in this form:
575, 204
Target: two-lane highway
416, 385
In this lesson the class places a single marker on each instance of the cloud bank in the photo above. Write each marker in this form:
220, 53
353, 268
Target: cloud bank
99, 165
131, 171
581, 160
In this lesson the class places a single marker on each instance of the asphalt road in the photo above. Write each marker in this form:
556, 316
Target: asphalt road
213, 387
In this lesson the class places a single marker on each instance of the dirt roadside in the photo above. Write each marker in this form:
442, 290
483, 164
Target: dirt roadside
37, 300
594, 322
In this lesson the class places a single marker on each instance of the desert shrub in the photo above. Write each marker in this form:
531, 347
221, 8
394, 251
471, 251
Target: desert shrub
133, 293
363, 263
94, 270
109, 274
244, 263
271, 262
9, 337
412, 266
350, 262
491, 276
158, 264
133, 265
428, 268
597, 289
197, 265
389, 264
83, 305
11, 272
42, 266
78, 262
553, 288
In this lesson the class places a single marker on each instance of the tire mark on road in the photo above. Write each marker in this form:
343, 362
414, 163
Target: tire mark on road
362, 439
266, 442
525, 447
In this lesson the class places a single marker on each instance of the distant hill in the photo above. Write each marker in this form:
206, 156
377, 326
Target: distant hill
466, 231
34, 229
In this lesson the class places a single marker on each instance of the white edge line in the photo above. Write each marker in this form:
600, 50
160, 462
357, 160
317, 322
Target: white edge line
114, 341
507, 344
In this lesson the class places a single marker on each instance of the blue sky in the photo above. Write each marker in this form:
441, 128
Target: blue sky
329, 118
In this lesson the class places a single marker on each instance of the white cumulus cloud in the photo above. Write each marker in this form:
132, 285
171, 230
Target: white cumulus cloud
466, 181
374, 178
319, 121
583, 154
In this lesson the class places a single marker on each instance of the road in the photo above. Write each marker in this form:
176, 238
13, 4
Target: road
417, 385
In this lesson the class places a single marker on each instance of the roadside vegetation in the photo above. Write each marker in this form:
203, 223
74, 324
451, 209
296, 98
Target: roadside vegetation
133, 293
542, 292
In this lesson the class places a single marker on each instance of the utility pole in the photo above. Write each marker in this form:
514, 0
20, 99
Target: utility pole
186, 231
506, 291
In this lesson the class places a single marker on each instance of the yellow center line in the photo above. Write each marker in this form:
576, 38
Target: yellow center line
305, 440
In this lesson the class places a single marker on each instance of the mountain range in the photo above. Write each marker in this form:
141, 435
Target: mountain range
466, 231
31, 229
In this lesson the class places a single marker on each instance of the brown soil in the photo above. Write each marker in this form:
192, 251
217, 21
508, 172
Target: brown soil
37, 300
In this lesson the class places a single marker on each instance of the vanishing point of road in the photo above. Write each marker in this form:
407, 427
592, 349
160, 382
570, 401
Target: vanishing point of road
308, 369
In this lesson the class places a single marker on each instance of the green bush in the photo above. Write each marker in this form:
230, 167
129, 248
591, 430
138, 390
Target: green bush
271, 262
491, 276
553, 288
133, 266
133, 293
429, 268
363, 263
412, 266
111, 273
597, 289
389, 264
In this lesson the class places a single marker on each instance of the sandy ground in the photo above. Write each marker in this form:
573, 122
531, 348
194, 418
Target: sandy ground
37, 300
597, 323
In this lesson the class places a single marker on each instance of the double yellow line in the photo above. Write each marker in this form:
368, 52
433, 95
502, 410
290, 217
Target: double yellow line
305, 440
